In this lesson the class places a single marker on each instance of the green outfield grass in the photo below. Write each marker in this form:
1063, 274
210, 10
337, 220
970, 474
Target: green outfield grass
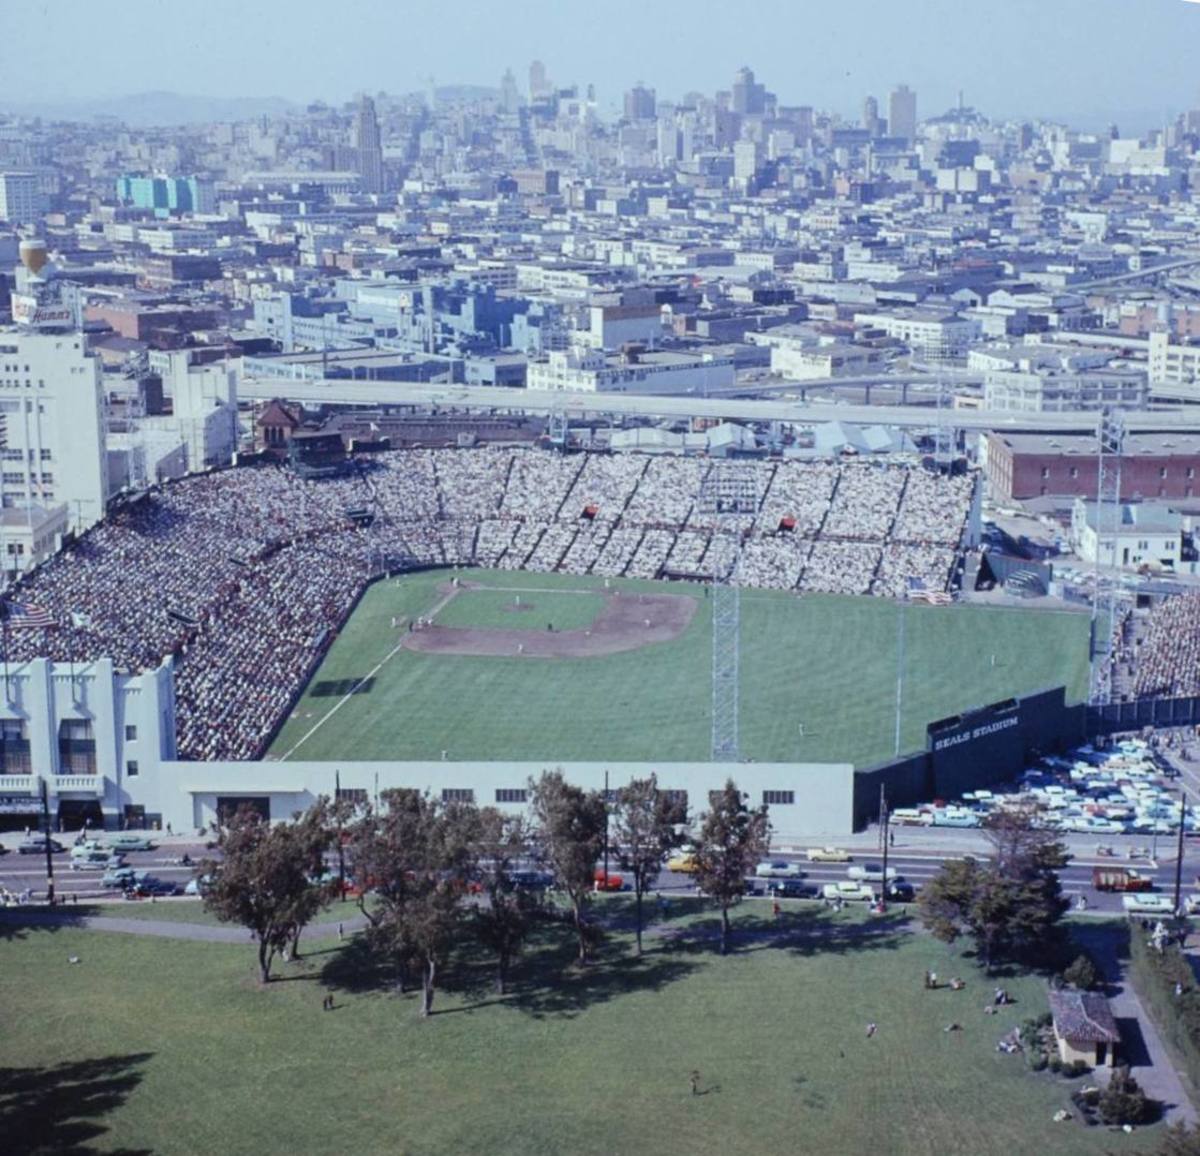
826, 663
532, 610
167, 1046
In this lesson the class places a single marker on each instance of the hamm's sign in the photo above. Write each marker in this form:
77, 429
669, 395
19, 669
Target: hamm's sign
27, 310
978, 732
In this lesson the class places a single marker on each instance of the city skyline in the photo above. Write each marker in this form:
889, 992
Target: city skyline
1053, 64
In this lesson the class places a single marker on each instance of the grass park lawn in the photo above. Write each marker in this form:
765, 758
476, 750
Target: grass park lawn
824, 663
182, 1052
187, 910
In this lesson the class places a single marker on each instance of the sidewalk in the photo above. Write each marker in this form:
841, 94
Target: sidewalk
1154, 1069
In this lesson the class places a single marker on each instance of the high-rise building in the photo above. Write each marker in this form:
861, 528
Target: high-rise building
749, 98
52, 401
539, 82
510, 95
870, 120
370, 150
902, 113
20, 201
640, 103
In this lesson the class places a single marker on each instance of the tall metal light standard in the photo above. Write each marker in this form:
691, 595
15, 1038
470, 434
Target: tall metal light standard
729, 502
1110, 437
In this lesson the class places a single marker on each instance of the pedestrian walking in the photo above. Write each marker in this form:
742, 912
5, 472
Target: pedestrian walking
694, 1081
340, 933
872, 1028
775, 908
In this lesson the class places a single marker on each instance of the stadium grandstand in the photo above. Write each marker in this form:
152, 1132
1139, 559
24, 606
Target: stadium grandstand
243, 576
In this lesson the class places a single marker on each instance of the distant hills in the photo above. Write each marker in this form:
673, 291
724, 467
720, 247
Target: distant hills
147, 109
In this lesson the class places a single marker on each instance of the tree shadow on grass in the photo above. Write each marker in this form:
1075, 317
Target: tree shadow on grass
548, 982
18, 922
59, 1108
808, 931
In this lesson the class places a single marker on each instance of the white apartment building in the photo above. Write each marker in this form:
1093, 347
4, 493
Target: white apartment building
1170, 363
936, 338
589, 371
20, 201
1035, 389
52, 401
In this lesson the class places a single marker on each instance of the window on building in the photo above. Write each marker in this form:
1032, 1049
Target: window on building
14, 748
779, 798
76, 747
356, 796
1162, 471
458, 795
1074, 471
1045, 471
130, 733
511, 795
131, 768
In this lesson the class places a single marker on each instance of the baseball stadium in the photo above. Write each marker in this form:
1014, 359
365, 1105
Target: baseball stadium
422, 612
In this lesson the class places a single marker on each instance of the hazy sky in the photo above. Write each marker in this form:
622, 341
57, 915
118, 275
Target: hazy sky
1088, 59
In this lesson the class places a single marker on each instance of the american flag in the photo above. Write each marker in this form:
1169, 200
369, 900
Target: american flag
27, 615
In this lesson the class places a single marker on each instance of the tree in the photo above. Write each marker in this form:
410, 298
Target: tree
503, 920
261, 882
569, 828
1011, 904
1082, 973
732, 839
415, 856
1123, 1101
313, 833
646, 825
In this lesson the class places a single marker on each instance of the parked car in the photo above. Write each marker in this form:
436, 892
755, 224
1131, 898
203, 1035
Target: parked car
871, 871
900, 891
828, 855
792, 889
534, 880
778, 869
85, 859
1142, 904
36, 845
848, 891
611, 882
683, 863
119, 877
149, 885
200, 885
130, 841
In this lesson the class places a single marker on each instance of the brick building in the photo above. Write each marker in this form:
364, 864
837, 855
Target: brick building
1032, 465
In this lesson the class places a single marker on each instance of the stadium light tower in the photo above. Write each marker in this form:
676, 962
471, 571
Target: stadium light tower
728, 497
1105, 588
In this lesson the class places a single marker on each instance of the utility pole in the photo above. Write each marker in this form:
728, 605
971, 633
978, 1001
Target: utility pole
341, 849
606, 831
1179, 851
49, 860
883, 834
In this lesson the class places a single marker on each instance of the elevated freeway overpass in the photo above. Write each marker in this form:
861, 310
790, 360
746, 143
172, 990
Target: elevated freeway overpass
578, 405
